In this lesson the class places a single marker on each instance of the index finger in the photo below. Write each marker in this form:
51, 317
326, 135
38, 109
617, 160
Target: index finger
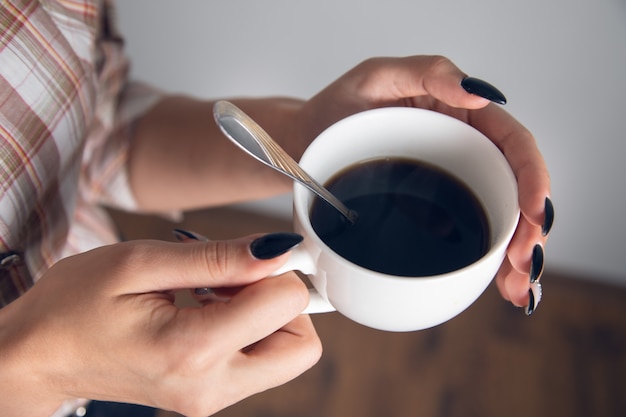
160, 266
520, 149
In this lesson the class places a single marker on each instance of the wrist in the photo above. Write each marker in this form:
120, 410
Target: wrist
26, 390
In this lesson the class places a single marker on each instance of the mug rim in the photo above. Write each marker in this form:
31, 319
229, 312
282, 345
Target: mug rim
302, 199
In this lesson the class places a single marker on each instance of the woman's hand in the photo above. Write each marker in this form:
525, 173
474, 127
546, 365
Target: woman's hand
103, 325
433, 82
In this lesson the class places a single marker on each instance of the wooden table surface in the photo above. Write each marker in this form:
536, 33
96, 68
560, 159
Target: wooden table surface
567, 360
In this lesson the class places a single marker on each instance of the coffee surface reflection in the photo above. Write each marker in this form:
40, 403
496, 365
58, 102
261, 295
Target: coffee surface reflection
415, 219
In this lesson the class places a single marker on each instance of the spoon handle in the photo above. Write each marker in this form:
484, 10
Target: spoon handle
270, 153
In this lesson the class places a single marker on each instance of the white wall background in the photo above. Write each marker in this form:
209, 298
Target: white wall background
561, 64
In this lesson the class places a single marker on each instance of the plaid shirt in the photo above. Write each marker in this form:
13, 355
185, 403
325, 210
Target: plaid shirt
66, 109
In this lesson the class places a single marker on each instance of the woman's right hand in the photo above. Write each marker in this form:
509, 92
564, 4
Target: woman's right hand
103, 325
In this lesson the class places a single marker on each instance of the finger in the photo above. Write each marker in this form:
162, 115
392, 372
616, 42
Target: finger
160, 266
388, 80
512, 284
281, 356
501, 275
521, 151
257, 310
522, 245
203, 295
275, 360
264, 247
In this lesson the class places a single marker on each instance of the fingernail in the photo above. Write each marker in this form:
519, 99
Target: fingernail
483, 89
183, 235
536, 263
534, 297
274, 244
202, 291
548, 219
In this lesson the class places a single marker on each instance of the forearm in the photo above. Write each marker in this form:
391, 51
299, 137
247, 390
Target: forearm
179, 158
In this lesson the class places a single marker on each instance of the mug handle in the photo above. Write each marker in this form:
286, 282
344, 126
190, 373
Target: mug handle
300, 260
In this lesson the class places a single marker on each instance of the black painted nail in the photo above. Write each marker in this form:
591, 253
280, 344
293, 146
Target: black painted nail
274, 244
548, 219
182, 235
536, 263
202, 291
534, 297
483, 89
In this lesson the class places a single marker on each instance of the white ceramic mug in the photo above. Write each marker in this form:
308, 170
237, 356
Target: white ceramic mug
387, 302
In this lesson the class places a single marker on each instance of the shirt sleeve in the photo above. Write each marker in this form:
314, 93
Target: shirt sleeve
104, 175
120, 104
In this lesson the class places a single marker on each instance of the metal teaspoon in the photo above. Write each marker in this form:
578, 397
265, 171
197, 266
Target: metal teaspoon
249, 136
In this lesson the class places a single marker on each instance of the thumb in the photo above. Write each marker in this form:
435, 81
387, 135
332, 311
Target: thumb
163, 266
436, 76
447, 83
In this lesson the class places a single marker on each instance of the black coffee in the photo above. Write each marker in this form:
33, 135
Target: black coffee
414, 219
